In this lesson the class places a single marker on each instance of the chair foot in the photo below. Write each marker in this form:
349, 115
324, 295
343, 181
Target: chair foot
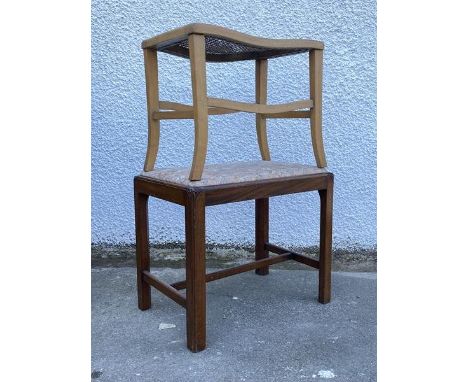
144, 298
324, 299
144, 307
195, 348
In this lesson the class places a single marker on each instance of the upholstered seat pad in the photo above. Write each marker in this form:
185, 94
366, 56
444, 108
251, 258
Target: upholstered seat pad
237, 172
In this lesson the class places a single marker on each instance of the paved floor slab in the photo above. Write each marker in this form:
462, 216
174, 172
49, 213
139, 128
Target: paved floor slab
260, 328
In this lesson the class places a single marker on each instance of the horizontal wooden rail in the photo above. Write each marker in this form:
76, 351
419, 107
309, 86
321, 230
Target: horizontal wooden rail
294, 255
260, 108
165, 288
182, 111
218, 106
168, 105
306, 260
239, 269
158, 115
276, 249
288, 114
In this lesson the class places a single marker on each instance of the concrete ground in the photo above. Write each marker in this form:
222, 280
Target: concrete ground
258, 329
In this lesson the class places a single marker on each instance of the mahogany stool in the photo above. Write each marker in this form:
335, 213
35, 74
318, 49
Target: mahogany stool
200, 186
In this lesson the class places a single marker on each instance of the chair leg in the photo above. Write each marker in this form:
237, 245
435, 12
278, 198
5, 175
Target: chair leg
200, 103
195, 271
325, 259
142, 249
261, 232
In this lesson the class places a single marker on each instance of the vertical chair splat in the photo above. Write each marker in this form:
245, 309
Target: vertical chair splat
315, 73
152, 100
261, 81
200, 103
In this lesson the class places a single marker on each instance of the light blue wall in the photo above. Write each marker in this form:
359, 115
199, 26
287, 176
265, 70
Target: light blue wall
119, 125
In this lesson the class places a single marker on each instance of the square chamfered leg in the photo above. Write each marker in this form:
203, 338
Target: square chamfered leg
325, 257
142, 249
261, 232
195, 270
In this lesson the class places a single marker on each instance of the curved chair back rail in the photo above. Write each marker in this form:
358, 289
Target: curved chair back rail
201, 43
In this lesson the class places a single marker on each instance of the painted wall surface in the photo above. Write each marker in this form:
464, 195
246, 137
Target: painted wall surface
119, 119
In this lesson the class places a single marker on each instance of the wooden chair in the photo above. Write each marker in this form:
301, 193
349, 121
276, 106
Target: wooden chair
200, 186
